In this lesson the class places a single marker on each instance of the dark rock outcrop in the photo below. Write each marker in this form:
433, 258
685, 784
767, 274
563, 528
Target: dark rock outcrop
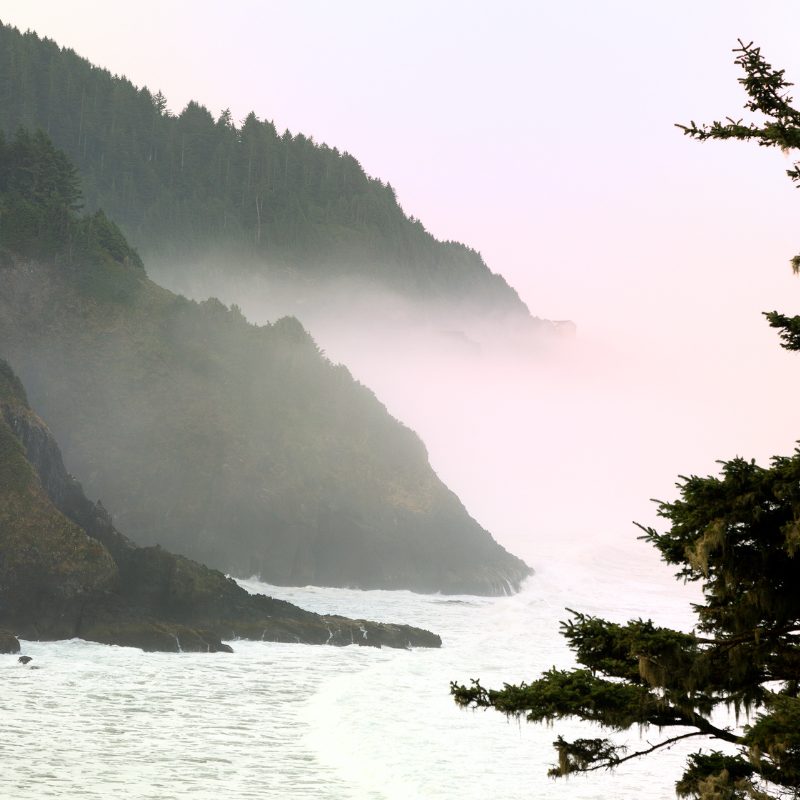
8, 642
65, 571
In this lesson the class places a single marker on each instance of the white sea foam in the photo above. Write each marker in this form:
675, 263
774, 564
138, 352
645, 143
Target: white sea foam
295, 721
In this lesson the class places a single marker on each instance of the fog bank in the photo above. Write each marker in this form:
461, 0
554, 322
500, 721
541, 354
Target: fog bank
557, 444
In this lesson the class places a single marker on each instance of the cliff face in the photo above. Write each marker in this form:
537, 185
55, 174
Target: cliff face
48, 565
238, 445
66, 571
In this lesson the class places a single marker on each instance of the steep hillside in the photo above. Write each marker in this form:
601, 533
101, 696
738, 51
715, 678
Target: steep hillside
189, 188
238, 445
48, 565
65, 571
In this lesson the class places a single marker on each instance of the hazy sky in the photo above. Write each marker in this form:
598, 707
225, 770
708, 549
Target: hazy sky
540, 133
543, 135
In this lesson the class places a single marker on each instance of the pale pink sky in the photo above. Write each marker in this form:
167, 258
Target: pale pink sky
541, 134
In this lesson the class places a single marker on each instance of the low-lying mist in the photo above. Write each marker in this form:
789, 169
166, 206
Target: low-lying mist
555, 443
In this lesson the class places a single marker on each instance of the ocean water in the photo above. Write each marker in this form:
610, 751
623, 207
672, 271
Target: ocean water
296, 721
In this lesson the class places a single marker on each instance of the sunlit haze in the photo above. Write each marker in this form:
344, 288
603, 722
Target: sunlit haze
543, 135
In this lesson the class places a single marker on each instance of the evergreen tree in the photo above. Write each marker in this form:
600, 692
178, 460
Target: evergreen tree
738, 535
181, 184
40, 197
203, 423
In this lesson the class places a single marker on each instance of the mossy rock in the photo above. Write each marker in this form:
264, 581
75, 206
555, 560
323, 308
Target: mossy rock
8, 642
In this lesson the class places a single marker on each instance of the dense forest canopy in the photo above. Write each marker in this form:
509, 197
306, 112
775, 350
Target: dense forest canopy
40, 198
240, 445
179, 183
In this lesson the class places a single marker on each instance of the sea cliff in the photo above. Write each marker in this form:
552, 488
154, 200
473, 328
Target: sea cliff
66, 571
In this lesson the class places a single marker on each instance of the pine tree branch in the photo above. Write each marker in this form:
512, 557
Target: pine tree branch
706, 728
751, 61
744, 638
638, 753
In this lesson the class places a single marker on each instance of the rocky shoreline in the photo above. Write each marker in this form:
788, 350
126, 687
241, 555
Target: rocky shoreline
66, 571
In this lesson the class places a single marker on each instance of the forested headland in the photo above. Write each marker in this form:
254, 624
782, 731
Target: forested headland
239, 445
179, 184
